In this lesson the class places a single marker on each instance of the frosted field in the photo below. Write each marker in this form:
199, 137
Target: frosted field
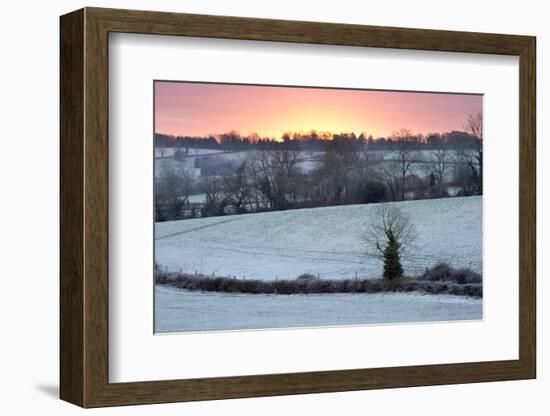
179, 311
322, 241
308, 160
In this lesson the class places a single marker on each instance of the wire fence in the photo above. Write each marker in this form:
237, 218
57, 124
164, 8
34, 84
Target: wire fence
422, 262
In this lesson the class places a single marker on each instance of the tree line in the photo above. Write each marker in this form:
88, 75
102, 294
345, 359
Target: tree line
273, 178
312, 140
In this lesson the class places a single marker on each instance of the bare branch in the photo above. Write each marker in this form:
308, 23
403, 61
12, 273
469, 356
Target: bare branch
388, 218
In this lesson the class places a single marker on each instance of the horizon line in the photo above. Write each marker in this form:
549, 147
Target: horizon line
322, 135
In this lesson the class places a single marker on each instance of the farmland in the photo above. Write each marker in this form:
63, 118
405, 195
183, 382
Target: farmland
327, 242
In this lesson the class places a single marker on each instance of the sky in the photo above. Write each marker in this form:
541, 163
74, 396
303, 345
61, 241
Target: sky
200, 109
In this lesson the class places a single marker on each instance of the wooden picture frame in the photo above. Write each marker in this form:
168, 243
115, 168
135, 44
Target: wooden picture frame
84, 207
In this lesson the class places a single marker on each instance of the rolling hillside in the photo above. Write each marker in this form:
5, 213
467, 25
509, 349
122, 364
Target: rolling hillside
323, 241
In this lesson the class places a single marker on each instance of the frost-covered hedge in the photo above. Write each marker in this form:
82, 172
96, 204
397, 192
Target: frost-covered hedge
312, 286
442, 272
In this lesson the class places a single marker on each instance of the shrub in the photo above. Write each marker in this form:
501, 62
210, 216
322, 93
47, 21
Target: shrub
371, 192
463, 276
306, 276
440, 272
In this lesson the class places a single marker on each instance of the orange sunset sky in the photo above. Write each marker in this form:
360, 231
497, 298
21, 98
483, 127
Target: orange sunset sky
199, 109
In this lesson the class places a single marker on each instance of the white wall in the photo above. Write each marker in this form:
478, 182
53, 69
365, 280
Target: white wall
29, 209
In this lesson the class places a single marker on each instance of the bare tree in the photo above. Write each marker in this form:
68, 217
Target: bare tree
280, 171
391, 176
475, 128
340, 161
388, 235
404, 153
237, 188
439, 164
172, 194
212, 186
475, 125
462, 171
253, 171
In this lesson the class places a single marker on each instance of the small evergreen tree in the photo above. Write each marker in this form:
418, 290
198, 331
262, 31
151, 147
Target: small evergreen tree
387, 235
392, 261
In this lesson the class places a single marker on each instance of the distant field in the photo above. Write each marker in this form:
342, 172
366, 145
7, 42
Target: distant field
321, 241
309, 160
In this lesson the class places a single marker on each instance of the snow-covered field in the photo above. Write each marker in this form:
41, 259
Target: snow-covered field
166, 164
323, 241
164, 167
197, 199
178, 310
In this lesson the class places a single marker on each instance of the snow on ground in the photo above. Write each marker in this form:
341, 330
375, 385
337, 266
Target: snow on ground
164, 167
165, 152
308, 165
197, 199
323, 241
179, 310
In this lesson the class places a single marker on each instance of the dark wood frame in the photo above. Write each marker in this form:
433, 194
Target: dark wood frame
84, 209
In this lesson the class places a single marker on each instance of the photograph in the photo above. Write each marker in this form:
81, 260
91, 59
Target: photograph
285, 207
279, 204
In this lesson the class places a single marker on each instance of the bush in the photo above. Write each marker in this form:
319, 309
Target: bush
372, 192
442, 272
306, 276
464, 276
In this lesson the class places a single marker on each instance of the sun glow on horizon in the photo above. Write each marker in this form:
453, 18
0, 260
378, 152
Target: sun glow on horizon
202, 109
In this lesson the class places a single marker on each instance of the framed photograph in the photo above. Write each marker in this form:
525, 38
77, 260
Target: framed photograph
255, 207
